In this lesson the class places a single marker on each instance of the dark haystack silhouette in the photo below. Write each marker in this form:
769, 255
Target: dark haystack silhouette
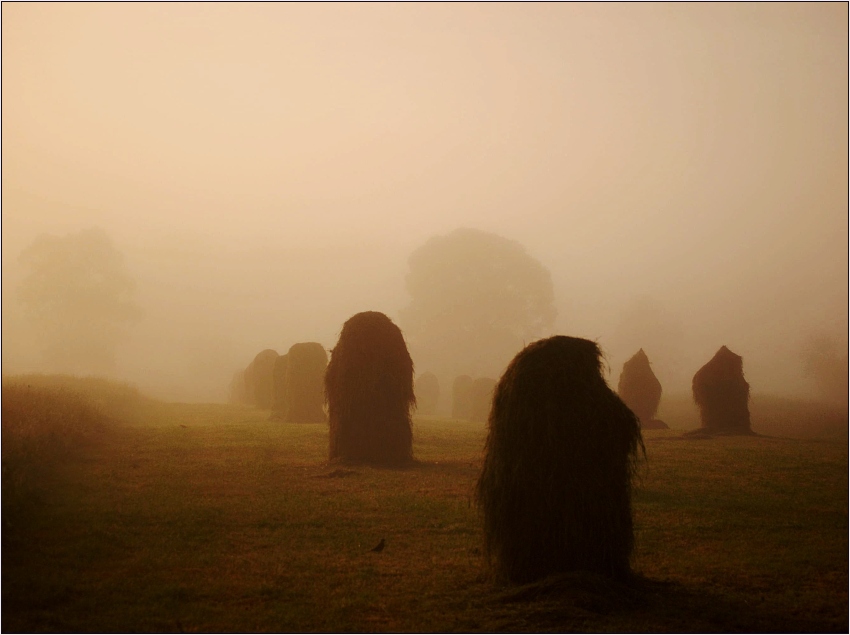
555, 488
305, 375
427, 390
236, 393
640, 390
369, 391
723, 395
279, 402
462, 397
481, 398
259, 382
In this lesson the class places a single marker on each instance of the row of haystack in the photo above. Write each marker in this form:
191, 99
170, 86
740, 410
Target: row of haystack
555, 487
719, 389
471, 398
290, 385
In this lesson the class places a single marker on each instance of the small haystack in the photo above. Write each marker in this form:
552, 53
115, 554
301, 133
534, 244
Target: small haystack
555, 487
427, 390
640, 390
279, 405
723, 395
462, 397
259, 381
305, 376
236, 390
369, 391
481, 398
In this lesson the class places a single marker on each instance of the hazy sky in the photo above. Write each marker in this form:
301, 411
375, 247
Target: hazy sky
267, 168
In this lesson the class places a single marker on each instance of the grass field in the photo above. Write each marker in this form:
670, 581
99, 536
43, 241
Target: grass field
209, 518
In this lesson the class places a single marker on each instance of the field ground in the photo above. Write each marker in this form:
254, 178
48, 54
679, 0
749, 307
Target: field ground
209, 518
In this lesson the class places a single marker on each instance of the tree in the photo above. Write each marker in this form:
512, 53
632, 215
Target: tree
477, 298
76, 292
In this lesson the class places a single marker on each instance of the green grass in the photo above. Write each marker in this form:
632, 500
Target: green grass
202, 518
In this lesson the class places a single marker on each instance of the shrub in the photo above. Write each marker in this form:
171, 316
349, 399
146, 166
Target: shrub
47, 421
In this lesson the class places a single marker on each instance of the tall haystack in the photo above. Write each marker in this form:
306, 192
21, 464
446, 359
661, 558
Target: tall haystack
236, 390
555, 487
279, 404
369, 391
481, 398
462, 397
259, 382
305, 376
427, 390
640, 390
723, 395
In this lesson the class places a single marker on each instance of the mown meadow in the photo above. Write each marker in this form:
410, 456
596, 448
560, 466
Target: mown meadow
137, 515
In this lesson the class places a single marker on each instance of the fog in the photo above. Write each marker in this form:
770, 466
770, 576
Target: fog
267, 169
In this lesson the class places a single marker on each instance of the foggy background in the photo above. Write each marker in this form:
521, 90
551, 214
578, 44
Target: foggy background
267, 169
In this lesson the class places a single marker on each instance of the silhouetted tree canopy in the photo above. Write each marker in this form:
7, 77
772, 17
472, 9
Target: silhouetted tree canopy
77, 292
476, 298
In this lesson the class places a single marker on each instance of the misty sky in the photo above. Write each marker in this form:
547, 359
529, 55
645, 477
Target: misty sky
267, 168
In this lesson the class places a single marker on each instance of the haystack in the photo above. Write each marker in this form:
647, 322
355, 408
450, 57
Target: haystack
279, 405
427, 390
236, 390
555, 487
305, 375
369, 391
723, 395
640, 390
481, 398
259, 381
462, 397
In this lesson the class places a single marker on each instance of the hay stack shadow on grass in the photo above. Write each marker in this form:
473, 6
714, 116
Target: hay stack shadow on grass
369, 392
555, 488
583, 590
